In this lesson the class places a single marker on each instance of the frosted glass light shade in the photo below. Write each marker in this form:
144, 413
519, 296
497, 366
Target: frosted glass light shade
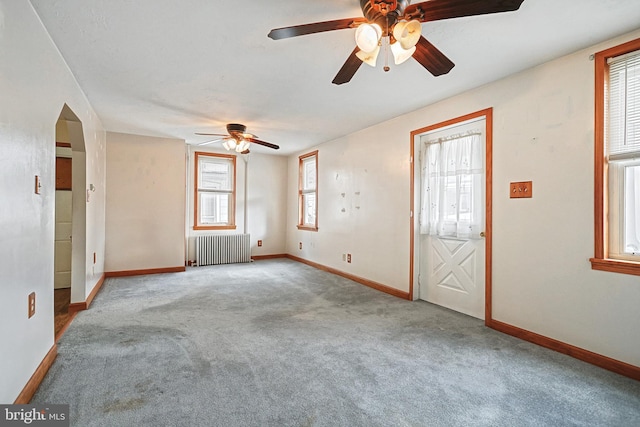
368, 36
230, 144
400, 55
244, 146
369, 58
407, 33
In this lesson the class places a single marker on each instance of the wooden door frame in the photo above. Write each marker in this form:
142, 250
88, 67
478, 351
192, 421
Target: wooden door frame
488, 116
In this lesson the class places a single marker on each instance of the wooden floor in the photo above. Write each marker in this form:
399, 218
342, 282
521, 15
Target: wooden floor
61, 300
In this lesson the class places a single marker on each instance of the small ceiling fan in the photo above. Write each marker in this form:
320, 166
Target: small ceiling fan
237, 139
396, 25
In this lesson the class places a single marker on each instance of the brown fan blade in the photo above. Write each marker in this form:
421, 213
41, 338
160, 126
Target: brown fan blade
435, 10
266, 144
431, 58
348, 69
245, 151
316, 27
212, 134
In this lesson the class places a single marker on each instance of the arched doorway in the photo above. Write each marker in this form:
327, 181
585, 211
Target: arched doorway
70, 218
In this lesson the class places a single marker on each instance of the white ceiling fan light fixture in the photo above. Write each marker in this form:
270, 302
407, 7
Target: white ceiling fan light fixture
243, 145
400, 54
407, 33
230, 144
368, 37
237, 139
369, 58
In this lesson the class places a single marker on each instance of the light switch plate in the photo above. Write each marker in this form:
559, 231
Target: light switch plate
521, 190
32, 304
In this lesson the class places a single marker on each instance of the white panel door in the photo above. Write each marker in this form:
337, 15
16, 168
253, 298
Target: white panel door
452, 269
452, 274
62, 254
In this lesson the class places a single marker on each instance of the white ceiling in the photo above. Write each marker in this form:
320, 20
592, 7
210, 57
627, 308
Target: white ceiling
175, 67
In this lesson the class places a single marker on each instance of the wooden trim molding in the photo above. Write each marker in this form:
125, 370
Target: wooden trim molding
616, 266
263, 257
80, 306
66, 326
487, 113
301, 225
128, 273
63, 144
232, 210
34, 382
214, 227
600, 260
370, 283
604, 362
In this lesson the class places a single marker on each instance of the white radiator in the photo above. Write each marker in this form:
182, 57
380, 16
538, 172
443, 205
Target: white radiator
223, 249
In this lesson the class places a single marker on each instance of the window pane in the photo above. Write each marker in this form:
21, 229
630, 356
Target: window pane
309, 174
632, 210
450, 208
214, 208
465, 204
624, 105
215, 174
309, 208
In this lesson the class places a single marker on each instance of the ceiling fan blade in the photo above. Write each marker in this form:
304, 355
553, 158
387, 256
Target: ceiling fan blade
316, 27
434, 10
212, 141
245, 151
348, 69
431, 58
266, 144
212, 134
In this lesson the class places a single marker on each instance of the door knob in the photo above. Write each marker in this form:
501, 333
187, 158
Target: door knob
482, 234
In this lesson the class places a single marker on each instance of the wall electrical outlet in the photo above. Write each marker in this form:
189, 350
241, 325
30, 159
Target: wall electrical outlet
259, 242
300, 245
349, 258
32, 304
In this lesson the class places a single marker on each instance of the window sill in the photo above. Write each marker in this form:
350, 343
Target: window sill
307, 227
616, 266
214, 227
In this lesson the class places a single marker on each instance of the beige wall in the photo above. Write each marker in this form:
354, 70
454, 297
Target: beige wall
145, 202
35, 84
542, 278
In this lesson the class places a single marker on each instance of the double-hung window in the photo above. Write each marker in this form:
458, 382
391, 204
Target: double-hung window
617, 130
308, 192
215, 197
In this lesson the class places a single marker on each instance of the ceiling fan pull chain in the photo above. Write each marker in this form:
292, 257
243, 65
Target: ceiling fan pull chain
387, 41
386, 54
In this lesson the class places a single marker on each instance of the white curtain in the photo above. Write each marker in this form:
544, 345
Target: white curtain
452, 181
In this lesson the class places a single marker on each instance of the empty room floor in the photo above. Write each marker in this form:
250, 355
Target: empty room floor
279, 343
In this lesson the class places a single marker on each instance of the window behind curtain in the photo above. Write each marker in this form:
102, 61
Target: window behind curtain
215, 191
452, 174
308, 191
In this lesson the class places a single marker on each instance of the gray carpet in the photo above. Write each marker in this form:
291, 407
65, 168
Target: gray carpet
278, 343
